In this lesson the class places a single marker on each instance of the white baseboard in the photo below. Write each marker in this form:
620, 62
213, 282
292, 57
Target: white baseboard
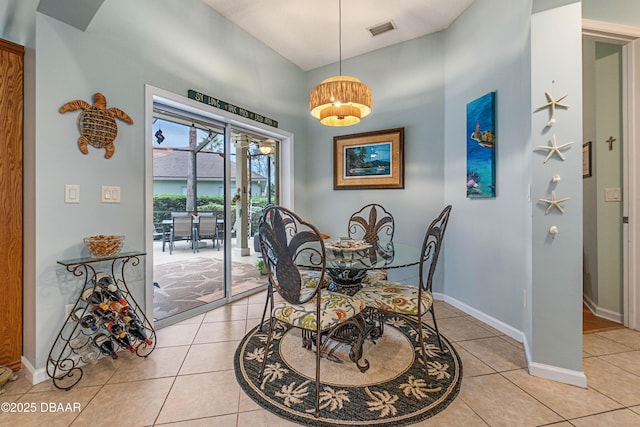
602, 312
484, 318
541, 370
567, 376
34, 376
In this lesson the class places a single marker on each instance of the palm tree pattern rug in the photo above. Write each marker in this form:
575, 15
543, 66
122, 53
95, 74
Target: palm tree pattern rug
393, 392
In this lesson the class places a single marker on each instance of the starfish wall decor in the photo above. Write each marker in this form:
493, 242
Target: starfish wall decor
553, 103
554, 148
554, 203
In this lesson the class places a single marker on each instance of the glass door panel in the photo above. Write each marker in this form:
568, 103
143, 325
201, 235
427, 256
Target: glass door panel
253, 178
188, 181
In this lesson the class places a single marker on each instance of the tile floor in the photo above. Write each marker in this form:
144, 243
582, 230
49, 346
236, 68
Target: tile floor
189, 381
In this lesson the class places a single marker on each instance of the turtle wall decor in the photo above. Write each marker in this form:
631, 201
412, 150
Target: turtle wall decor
97, 123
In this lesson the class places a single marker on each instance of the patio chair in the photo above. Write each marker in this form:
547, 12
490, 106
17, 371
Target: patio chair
161, 233
181, 214
182, 229
318, 312
412, 302
207, 228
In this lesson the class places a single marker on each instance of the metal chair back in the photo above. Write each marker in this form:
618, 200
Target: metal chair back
284, 236
431, 248
373, 224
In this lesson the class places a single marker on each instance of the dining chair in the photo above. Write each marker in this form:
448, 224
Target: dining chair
207, 228
374, 225
182, 229
319, 313
406, 300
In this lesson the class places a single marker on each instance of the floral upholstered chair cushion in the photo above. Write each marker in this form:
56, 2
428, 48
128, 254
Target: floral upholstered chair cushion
395, 297
373, 276
335, 308
310, 279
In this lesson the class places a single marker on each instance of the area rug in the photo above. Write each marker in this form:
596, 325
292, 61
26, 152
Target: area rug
392, 392
183, 285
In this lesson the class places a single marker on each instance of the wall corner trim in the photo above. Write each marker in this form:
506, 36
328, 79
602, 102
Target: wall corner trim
33, 375
567, 376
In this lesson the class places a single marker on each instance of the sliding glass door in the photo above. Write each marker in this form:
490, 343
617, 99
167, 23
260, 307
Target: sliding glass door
255, 185
211, 183
188, 213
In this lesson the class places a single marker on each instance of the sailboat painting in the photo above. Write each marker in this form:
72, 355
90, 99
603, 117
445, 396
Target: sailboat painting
481, 147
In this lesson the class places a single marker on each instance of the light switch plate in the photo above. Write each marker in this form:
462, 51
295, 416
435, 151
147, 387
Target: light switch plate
110, 194
613, 194
72, 193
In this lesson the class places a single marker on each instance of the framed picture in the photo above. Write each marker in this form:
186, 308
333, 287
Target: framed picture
586, 159
370, 160
481, 147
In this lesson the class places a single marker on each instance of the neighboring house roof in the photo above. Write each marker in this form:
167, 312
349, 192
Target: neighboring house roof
173, 164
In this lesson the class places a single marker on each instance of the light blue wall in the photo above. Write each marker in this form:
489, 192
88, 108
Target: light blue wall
625, 12
488, 244
174, 45
407, 82
556, 292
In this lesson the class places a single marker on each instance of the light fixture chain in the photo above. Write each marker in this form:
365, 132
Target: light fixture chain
340, 35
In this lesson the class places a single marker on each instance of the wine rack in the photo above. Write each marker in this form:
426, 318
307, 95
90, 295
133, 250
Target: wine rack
104, 320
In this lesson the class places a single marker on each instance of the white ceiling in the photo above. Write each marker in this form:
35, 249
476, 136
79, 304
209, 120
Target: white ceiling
307, 31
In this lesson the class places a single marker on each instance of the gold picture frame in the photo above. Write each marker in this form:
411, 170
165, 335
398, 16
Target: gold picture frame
369, 160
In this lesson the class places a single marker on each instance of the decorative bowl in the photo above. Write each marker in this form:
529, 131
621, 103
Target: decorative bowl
347, 245
103, 245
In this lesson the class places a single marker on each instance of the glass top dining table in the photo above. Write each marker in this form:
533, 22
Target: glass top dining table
347, 267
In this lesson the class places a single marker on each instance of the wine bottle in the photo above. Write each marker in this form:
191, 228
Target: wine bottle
103, 280
110, 290
92, 296
116, 295
135, 328
85, 319
120, 335
118, 308
105, 316
104, 343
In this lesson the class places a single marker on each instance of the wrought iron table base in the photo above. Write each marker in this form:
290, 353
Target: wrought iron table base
368, 324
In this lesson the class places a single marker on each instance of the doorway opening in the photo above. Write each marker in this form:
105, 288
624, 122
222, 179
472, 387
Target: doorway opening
611, 51
209, 182
602, 183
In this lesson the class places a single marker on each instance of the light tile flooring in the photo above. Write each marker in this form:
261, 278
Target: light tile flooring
189, 381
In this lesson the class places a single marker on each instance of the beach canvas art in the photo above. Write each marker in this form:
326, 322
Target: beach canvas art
364, 160
481, 147
371, 160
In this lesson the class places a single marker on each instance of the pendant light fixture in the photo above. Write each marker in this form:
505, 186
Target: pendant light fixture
340, 100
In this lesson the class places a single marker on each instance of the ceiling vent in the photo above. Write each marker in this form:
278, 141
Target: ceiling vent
376, 30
